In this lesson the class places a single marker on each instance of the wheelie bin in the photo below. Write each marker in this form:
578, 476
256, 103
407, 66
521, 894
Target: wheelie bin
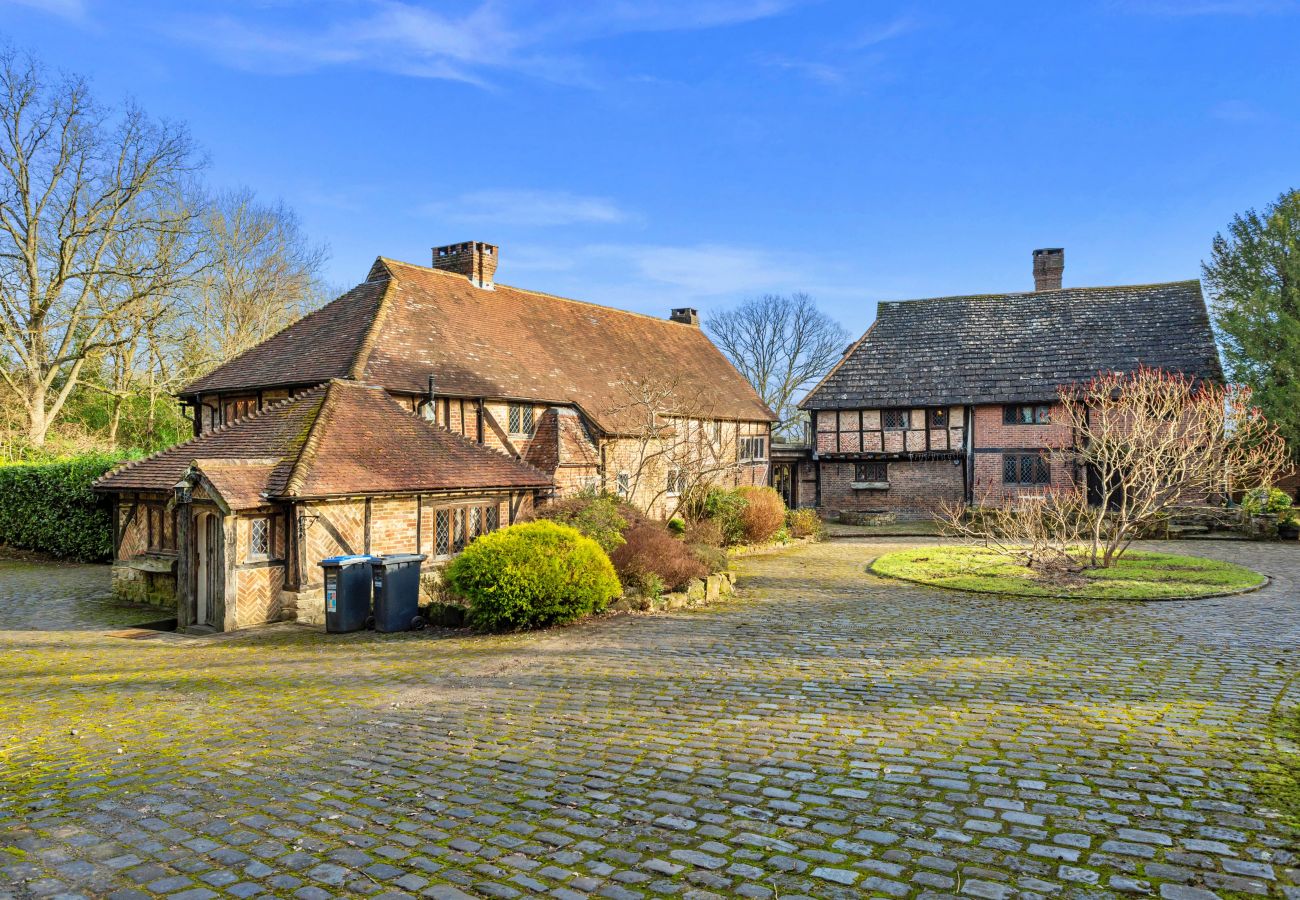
347, 592
397, 591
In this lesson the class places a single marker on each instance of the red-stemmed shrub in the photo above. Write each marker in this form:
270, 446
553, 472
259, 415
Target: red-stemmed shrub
649, 549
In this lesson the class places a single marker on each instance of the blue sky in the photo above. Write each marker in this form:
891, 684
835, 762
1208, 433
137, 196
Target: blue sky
658, 153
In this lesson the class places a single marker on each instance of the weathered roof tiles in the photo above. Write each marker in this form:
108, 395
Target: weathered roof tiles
1019, 347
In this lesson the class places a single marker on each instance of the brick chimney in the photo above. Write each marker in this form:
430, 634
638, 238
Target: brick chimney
686, 316
476, 260
1049, 264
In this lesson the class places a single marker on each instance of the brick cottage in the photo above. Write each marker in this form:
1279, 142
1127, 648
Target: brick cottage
424, 407
952, 398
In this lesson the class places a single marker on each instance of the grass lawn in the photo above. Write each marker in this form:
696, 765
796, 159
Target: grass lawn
1137, 576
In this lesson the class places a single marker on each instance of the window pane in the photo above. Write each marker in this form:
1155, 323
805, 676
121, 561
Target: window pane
1009, 469
258, 539
475, 522
458, 530
1043, 473
528, 420
493, 517
1042, 414
442, 539
514, 418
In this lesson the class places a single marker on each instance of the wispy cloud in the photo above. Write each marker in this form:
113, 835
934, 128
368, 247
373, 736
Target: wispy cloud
528, 208
64, 9
847, 60
539, 38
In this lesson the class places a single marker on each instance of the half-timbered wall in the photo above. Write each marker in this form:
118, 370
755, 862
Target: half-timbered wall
891, 431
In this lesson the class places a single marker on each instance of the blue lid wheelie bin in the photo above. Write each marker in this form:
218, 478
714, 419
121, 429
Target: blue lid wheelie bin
347, 592
397, 591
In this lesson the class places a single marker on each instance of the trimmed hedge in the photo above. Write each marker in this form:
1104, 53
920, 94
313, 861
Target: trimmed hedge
49, 507
532, 575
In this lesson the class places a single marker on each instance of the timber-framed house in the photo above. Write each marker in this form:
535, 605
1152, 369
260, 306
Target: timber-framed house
952, 399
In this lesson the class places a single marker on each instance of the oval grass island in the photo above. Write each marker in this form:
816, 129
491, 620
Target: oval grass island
1136, 576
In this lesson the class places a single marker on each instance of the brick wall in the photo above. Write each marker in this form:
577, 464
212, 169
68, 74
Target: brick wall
992, 437
916, 488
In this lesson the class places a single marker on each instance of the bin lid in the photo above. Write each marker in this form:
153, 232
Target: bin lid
394, 558
350, 560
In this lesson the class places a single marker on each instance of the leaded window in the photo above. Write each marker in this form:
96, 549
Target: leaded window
475, 522
458, 530
442, 533
896, 419
624, 484
1026, 469
259, 539
870, 472
520, 418
493, 518
939, 417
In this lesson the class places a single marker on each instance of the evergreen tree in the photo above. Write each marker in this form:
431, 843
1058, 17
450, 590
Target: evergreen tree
1254, 281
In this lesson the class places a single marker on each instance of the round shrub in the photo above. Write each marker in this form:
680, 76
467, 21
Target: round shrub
763, 514
651, 550
532, 575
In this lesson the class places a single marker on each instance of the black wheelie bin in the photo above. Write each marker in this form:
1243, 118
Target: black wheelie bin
397, 591
347, 592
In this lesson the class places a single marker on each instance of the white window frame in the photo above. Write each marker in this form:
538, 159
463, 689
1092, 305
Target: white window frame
265, 523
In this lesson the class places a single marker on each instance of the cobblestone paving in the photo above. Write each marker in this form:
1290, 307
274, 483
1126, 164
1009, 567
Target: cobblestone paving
827, 734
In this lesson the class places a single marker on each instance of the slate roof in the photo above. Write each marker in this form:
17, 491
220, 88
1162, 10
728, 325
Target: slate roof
340, 438
1019, 347
407, 322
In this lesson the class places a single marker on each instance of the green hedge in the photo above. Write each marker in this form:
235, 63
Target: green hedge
50, 507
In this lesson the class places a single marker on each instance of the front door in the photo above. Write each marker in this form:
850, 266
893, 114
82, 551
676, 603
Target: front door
783, 482
207, 567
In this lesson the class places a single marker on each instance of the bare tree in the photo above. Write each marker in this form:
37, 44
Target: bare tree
260, 274
1149, 441
782, 344
674, 442
1143, 444
80, 190
1044, 531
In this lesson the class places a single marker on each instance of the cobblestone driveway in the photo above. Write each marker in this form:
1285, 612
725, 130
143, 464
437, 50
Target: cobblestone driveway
828, 734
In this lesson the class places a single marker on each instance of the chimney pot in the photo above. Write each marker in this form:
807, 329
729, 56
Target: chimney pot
476, 260
686, 316
1049, 265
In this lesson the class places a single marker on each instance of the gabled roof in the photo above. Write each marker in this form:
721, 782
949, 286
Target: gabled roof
1019, 347
408, 322
341, 438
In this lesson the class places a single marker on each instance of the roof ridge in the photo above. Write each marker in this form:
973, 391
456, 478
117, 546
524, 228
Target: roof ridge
220, 429
310, 444
522, 290
1031, 293
360, 361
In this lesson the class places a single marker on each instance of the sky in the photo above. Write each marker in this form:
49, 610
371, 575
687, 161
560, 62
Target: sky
651, 154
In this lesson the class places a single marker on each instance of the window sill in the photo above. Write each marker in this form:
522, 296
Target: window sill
869, 485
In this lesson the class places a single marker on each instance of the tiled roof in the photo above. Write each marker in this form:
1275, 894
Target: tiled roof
322, 345
504, 343
1019, 347
340, 438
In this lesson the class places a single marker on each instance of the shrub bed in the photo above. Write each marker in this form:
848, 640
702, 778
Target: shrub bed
651, 551
50, 507
532, 575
